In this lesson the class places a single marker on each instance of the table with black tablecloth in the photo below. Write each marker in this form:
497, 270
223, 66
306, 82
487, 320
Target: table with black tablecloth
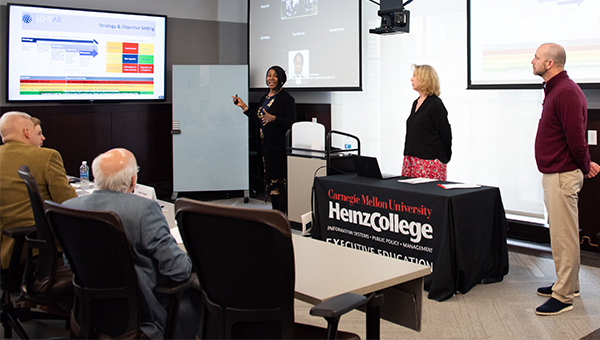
460, 233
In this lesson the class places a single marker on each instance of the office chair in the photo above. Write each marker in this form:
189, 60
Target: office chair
244, 259
107, 295
49, 283
11, 282
43, 280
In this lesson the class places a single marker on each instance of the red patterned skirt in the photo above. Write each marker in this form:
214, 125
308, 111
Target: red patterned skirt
424, 168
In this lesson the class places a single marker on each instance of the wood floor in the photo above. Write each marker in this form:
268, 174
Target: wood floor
504, 310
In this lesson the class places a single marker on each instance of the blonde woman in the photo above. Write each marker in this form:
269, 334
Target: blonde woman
428, 144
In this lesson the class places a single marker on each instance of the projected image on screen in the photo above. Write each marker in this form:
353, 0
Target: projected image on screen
67, 54
297, 8
317, 42
504, 35
298, 66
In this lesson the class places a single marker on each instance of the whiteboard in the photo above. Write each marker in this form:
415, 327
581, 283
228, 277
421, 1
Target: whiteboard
211, 152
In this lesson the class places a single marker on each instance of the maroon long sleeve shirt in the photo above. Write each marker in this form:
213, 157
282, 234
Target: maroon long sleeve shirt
560, 143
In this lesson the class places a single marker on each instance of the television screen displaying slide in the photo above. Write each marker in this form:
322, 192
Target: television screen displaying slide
504, 35
317, 42
71, 54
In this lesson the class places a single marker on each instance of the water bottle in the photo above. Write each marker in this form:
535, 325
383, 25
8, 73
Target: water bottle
347, 144
84, 176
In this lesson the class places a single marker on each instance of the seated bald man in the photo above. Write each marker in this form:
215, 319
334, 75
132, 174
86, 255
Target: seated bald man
22, 146
156, 254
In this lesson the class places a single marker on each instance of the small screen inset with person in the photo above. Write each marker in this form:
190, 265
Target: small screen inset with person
298, 66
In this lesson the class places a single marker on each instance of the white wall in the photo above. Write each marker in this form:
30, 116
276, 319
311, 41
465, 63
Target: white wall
493, 131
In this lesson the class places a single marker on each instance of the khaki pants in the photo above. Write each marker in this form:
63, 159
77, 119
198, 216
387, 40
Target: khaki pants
560, 197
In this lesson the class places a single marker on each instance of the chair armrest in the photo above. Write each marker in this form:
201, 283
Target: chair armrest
33, 242
176, 290
338, 305
11, 280
18, 232
173, 287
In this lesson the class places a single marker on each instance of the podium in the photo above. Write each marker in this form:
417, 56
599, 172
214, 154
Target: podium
311, 155
306, 159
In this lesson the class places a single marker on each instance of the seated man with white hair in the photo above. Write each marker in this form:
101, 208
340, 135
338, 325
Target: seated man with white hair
156, 254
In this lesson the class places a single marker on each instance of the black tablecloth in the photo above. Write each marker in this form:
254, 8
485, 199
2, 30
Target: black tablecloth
460, 233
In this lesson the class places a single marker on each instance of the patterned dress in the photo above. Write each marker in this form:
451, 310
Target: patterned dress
273, 186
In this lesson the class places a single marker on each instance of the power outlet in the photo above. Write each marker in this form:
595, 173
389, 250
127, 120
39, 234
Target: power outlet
592, 137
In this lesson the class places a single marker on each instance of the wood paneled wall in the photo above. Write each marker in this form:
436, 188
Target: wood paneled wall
589, 207
82, 131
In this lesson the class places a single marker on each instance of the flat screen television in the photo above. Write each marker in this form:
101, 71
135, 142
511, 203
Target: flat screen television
317, 42
502, 37
68, 54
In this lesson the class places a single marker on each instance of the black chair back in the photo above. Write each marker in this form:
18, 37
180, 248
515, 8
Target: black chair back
43, 280
245, 263
43, 240
104, 277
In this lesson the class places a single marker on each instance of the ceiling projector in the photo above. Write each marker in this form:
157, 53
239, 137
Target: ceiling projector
394, 18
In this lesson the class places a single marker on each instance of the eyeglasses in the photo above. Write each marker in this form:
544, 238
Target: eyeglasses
138, 169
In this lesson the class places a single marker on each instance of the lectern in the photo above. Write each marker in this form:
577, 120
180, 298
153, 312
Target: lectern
311, 155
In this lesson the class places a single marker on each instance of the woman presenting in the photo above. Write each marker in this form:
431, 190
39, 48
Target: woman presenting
428, 144
276, 114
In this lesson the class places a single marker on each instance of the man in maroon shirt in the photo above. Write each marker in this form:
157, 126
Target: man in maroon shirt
561, 153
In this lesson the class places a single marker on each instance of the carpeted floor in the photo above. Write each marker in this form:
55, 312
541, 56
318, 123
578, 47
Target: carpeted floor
595, 335
504, 310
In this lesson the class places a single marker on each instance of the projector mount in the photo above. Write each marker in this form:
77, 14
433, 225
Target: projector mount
394, 18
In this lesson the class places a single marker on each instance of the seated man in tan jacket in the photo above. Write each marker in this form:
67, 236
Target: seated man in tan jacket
22, 147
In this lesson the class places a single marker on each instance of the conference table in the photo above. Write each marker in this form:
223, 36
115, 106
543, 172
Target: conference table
460, 233
324, 270
394, 289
